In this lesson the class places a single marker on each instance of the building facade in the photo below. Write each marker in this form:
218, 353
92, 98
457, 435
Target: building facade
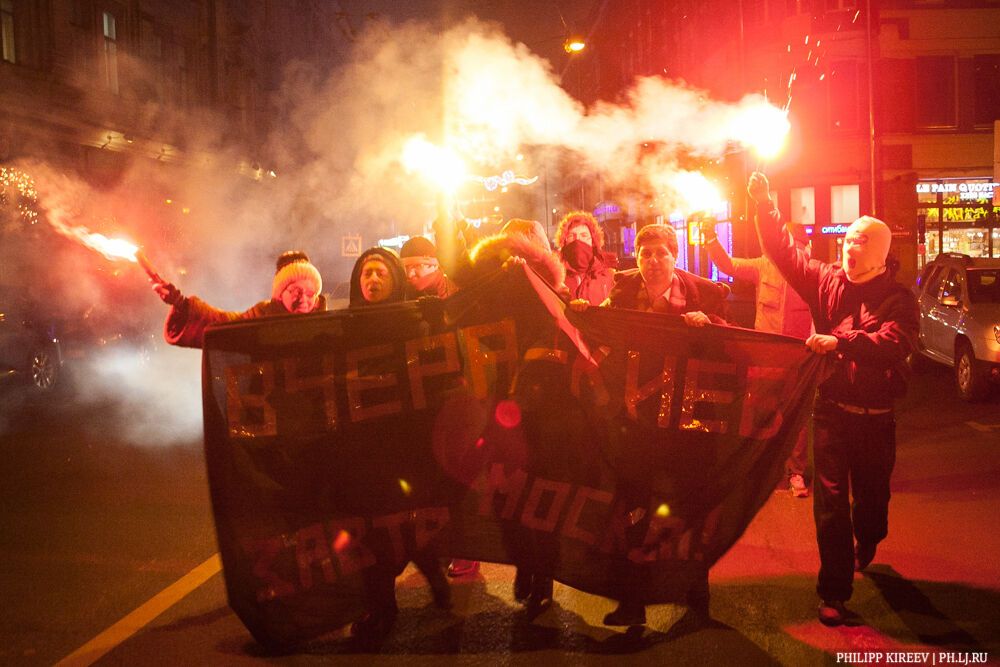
894, 107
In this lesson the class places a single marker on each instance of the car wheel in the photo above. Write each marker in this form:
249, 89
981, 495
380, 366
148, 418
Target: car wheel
44, 370
972, 382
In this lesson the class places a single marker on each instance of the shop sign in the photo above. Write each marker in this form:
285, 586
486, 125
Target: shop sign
833, 229
975, 190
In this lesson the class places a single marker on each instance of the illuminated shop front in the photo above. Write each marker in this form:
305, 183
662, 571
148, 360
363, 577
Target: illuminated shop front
959, 215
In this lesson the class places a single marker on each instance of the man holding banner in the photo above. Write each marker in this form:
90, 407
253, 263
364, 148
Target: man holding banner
870, 323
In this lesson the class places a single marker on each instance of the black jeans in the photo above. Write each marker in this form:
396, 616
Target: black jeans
854, 456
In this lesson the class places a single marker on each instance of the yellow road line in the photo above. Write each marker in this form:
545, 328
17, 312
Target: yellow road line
105, 642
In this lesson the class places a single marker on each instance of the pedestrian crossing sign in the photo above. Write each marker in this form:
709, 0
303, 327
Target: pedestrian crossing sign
350, 245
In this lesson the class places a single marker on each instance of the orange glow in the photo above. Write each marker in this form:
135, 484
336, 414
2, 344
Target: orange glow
696, 191
110, 248
574, 45
438, 164
763, 127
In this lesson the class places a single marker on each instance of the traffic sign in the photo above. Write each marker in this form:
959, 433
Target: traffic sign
350, 245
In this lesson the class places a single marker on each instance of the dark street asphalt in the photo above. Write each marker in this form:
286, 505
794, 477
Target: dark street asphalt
94, 527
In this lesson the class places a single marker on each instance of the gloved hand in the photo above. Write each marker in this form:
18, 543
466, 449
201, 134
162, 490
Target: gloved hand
168, 293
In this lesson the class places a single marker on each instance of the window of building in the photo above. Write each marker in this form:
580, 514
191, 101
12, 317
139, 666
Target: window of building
7, 30
845, 99
110, 52
803, 206
935, 94
844, 203
986, 70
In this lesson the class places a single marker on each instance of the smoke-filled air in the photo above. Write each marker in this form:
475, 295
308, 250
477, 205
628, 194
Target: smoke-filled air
458, 103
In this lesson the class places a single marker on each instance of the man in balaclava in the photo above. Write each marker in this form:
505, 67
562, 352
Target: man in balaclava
870, 323
423, 271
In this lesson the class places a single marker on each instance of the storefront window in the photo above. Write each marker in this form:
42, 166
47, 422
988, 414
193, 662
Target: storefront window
959, 216
968, 241
996, 241
803, 206
927, 197
844, 203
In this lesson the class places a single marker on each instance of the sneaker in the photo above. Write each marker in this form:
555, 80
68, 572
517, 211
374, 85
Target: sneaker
797, 484
864, 553
628, 614
833, 613
462, 568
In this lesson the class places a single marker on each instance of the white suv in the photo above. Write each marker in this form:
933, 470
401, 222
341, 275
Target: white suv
959, 300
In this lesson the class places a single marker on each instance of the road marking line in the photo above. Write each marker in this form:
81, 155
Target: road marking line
105, 642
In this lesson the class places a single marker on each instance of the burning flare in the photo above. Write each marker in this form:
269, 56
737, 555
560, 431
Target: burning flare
437, 164
697, 192
763, 127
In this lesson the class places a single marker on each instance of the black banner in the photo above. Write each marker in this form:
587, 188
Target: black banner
598, 447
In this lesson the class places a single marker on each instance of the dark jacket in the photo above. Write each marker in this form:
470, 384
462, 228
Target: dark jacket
188, 319
395, 265
699, 294
876, 322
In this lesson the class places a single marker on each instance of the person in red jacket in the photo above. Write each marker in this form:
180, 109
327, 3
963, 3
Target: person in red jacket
581, 247
869, 322
297, 288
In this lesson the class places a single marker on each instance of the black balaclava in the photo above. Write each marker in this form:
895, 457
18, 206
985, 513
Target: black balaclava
578, 255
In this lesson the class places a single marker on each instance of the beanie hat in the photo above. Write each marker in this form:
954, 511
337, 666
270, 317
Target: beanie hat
293, 271
869, 260
288, 257
418, 246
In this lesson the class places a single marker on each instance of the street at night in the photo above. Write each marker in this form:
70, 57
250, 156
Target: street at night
451, 331
98, 527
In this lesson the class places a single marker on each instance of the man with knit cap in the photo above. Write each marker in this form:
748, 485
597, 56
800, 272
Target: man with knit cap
869, 322
423, 271
297, 288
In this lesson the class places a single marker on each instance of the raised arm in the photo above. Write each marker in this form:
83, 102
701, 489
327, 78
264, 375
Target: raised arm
801, 273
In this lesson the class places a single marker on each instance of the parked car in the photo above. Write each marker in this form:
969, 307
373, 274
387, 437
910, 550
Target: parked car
30, 354
959, 300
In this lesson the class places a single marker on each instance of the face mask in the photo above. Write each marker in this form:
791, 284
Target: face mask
578, 255
424, 282
866, 245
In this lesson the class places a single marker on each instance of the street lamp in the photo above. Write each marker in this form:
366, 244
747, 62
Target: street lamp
574, 45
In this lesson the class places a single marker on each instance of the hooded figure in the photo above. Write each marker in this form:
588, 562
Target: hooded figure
581, 247
378, 277
296, 288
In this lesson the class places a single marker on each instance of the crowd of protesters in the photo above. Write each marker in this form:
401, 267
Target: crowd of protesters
854, 310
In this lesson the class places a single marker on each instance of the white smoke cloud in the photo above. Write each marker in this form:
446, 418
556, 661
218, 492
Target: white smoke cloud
335, 144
